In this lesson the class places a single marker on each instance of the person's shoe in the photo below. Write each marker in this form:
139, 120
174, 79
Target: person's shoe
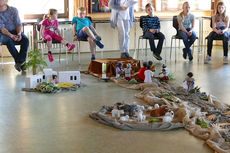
99, 44
123, 55
184, 53
23, 66
71, 47
127, 55
190, 57
50, 56
225, 59
93, 58
98, 38
207, 59
157, 56
18, 67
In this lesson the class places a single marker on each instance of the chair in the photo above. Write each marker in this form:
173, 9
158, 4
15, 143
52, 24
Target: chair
175, 37
142, 37
206, 38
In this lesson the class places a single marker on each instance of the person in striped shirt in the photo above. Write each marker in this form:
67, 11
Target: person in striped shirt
151, 30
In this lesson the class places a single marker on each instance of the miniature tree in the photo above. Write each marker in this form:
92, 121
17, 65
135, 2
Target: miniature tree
36, 61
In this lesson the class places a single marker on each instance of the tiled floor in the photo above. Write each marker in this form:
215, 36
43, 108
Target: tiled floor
59, 123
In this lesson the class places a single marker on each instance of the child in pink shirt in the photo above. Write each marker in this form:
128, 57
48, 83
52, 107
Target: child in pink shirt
48, 31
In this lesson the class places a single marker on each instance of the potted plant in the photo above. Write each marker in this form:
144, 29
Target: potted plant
35, 61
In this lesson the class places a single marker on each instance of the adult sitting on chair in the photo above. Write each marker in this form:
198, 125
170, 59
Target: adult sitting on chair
11, 34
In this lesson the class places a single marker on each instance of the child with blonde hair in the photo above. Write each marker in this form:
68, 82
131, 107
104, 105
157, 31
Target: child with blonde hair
186, 24
220, 24
83, 29
50, 31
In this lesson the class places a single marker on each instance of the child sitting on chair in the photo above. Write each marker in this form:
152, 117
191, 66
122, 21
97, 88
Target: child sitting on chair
186, 23
151, 29
48, 31
83, 29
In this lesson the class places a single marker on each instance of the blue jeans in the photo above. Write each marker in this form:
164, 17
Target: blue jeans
151, 37
188, 40
19, 57
224, 37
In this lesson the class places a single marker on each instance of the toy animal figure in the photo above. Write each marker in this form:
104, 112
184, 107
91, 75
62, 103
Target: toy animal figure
156, 106
119, 69
125, 118
140, 116
129, 110
164, 71
159, 111
116, 112
168, 117
140, 108
106, 109
128, 70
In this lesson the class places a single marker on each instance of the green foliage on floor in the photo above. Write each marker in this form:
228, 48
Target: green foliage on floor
36, 61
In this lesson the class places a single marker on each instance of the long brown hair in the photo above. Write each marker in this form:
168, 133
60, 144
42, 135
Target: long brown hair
182, 13
224, 16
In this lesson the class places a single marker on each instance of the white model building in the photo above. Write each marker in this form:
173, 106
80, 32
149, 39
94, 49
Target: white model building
33, 80
69, 77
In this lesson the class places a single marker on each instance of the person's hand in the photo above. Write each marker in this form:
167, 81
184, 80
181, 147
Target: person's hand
135, 20
14, 37
156, 30
189, 33
219, 32
75, 38
19, 36
152, 30
123, 7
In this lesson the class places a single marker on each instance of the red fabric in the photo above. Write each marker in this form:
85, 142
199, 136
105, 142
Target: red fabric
165, 78
141, 74
128, 78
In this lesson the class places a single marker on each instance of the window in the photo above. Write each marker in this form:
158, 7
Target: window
75, 77
33, 9
173, 5
169, 5
71, 77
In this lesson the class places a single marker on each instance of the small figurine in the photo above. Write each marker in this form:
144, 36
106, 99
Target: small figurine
119, 69
125, 118
189, 82
140, 116
128, 70
116, 112
141, 75
168, 117
152, 67
164, 71
129, 110
148, 75
55, 79
162, 110
156, 106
